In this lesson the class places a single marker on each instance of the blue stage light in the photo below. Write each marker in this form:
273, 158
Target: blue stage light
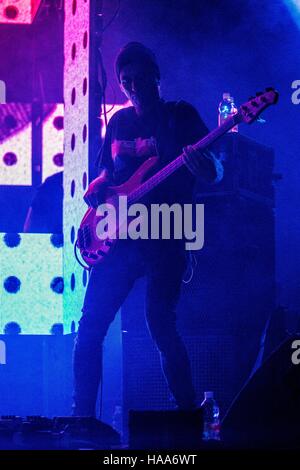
294, 7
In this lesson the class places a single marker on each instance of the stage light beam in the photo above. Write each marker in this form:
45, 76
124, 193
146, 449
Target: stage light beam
294, 8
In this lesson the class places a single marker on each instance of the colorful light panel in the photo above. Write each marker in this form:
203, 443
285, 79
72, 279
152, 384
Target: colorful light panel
18, 11
76, 137
31, 283
53, 141
15, 144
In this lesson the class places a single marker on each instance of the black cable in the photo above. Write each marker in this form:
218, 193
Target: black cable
114, 101
88, 268
113, 17
103, 71
103, 85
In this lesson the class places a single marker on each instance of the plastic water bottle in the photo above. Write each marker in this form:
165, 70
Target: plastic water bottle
227, 108
211, 421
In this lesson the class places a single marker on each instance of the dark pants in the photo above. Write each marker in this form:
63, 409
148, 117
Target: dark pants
163, 263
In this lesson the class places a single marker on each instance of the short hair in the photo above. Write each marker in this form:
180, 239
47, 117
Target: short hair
136, 52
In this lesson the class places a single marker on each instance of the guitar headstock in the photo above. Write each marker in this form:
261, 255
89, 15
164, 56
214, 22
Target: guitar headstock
250, 111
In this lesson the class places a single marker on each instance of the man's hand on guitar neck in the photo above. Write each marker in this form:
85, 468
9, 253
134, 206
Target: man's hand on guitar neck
95, 193
203, 164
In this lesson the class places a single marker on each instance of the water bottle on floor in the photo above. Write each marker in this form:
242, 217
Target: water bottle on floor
211, 421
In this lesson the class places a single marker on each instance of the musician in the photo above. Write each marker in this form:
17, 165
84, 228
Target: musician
150, 127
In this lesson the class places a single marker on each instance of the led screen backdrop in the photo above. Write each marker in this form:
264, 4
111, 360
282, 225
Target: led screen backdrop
32, 267
76, 132
52, 141
31, 282
15, 144
18, 11
19, 139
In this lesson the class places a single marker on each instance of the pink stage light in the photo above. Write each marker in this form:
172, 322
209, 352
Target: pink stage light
18, 11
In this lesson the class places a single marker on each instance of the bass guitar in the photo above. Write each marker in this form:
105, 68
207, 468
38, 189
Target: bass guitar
95, 249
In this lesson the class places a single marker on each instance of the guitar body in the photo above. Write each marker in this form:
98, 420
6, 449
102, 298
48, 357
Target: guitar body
92, 247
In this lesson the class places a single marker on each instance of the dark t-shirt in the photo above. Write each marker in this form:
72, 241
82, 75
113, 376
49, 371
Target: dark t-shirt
131, 139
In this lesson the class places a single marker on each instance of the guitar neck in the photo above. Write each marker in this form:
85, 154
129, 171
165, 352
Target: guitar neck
169, 169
